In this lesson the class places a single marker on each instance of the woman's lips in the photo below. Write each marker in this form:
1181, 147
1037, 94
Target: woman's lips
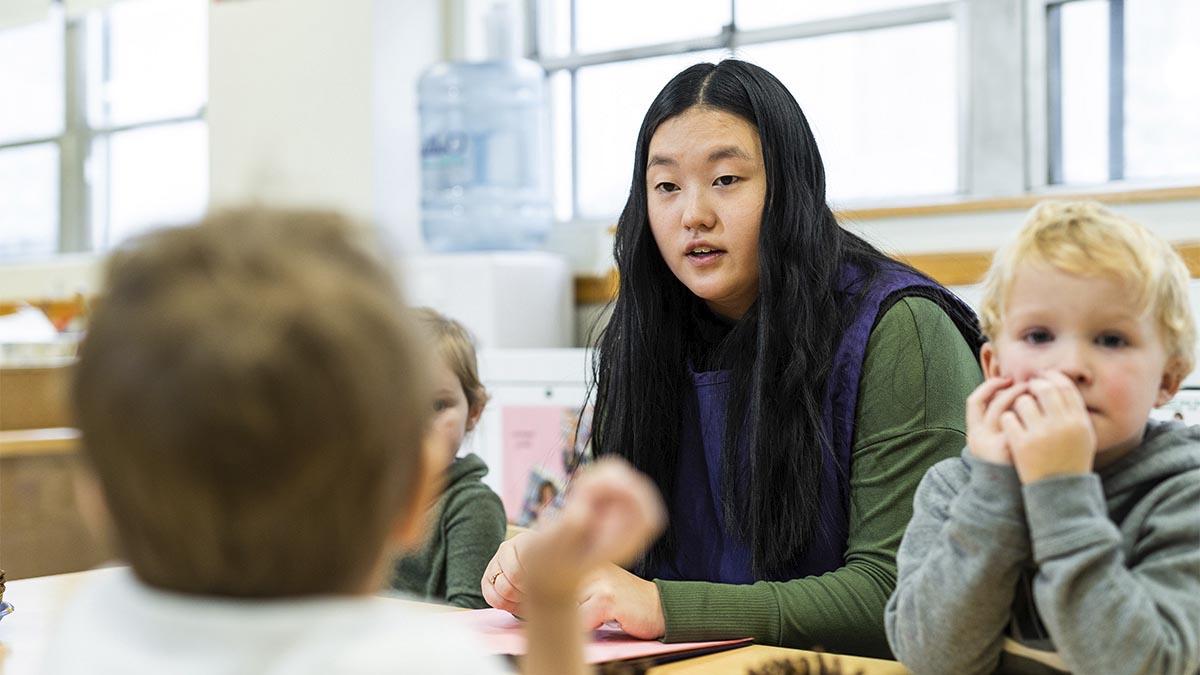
704, 259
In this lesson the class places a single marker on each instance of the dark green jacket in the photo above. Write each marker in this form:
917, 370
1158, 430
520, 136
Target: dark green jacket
467, 527
915, 381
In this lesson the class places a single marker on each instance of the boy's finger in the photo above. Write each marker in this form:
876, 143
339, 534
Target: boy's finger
1068, 390
1049, 396
614, 533
1003, 401
1011, 424
618, 497
979, 398
1027, 408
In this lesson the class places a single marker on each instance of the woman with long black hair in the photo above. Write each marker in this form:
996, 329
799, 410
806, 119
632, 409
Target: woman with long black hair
783, 382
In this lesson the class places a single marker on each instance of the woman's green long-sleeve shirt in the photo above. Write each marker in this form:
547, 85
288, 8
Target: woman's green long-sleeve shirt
916, 377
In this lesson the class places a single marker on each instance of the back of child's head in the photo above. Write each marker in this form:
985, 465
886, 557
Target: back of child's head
252, 401
454, 345
1084, 238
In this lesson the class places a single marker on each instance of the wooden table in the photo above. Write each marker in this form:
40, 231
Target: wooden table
738, 661
24, 635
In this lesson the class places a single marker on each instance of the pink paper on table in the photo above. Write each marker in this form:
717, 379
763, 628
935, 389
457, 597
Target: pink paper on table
502, 633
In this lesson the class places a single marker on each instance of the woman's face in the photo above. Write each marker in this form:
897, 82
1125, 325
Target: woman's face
705, 189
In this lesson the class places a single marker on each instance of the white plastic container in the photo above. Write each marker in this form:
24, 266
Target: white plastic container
485, 160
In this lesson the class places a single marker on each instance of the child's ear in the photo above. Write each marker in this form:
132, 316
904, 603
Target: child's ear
989, 361
473, 416
1169, 386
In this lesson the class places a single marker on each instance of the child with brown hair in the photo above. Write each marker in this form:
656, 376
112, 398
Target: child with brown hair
1067, 536
254, 406
467, 520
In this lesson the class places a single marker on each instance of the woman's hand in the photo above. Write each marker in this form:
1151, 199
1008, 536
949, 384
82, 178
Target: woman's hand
1049, 430
985, 406
614, 594
504, 577
611, 514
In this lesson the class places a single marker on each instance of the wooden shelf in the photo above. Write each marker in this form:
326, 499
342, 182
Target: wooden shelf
1021, 202
950, 269
29, 442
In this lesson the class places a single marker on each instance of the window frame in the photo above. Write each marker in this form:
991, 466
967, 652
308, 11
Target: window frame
728, 39
1116, 90
1004, 90
76, 229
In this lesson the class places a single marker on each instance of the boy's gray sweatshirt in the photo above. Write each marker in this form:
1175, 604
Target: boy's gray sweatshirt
1098, 573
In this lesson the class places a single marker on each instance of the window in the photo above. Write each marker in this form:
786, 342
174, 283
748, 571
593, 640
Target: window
29, 151
910, 100
1123, 91
846, 63
872, 146
110, 138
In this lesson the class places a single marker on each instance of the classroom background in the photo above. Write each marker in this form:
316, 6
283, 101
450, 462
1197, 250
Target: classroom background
940, 124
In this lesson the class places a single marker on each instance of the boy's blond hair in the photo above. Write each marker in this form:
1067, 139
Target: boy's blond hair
454, 344
1085, 238
253, 403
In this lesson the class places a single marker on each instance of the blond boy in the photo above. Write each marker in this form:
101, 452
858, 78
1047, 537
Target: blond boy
255, 410
1067, 536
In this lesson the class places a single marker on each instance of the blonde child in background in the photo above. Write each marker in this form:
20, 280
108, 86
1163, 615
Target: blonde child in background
468, 521
1067, 536
254, 406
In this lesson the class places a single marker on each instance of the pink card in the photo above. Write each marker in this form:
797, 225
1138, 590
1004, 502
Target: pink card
502, 633
533, 440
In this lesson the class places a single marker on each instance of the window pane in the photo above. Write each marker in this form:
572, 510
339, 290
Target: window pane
31, 71
157, 60
157, 176
554, 27
601, 25
29, 200
612, 100
769, 13
1084, 78
560, 129
1162, 89
882, 105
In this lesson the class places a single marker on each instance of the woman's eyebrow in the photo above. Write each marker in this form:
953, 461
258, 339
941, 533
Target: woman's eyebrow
717, 154
660, 160
728, 152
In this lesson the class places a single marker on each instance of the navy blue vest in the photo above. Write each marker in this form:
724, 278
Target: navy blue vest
705, 548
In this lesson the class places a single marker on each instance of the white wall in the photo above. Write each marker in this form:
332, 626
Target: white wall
289, 109
984, 231
313, 103
407, 39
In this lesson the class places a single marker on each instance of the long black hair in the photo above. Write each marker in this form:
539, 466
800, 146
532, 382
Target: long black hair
779, 352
